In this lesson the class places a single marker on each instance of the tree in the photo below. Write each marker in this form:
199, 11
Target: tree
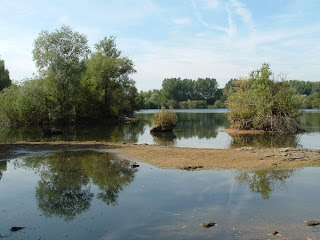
206, 89
109, 71
60, 56
172, 89
259, 102
4, 76
25, 104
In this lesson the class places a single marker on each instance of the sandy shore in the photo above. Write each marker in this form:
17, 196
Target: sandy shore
173, 157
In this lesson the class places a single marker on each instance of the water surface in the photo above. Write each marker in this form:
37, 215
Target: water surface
195, 128
96, 195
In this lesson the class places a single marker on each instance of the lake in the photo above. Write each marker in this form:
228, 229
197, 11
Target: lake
97, 195
195, 128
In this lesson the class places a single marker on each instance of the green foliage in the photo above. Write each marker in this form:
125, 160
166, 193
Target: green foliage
59, 57
71, 87
109, 72
218, 104
206, 89
165, 117
4, 76
176, 92
261, 103
195, 104
25, 104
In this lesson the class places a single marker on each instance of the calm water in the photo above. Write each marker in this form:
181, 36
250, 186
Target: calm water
95, 195
195, 128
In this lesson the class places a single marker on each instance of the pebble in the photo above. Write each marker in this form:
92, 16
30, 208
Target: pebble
208, 224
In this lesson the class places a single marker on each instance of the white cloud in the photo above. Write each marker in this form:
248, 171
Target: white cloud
243, 12
181, 21
209, 4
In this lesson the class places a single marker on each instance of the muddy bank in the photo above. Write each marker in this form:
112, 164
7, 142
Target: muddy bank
171, 157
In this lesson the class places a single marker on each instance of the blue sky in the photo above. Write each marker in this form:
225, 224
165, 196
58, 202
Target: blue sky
182, 38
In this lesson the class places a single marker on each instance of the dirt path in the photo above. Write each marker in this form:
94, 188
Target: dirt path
172, 157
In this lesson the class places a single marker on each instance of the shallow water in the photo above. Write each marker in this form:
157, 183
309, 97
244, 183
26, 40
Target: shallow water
195, 128
96, 195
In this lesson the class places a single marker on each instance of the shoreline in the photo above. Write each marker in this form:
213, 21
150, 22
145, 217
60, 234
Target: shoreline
176, 157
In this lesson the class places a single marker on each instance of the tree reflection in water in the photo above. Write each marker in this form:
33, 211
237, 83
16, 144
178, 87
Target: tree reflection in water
164, 138
265, 140
266, 180
3, 167
64, 188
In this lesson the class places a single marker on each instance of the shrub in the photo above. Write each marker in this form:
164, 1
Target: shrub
261, 103
165, 117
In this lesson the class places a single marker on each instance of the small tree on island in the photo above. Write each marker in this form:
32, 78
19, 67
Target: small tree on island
164, 120
261, 103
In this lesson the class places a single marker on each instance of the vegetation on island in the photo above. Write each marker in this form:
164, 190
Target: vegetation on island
261, 103
74, 84
78, 85
165, 117
187, 93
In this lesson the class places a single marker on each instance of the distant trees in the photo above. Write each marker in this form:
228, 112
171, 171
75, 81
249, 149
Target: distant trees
183, 93
204, 93
73, 86
259, 102
206, 89
5, 80
310, 92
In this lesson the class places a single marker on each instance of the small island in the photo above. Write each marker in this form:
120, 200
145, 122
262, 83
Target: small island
165, 120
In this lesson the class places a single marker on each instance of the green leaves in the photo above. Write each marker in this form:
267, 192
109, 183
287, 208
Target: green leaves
59, 57
109, 72
5, 80
259, 102
72, 87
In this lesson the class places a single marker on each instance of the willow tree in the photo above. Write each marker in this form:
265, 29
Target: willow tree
60, 56
109, 72
259, 102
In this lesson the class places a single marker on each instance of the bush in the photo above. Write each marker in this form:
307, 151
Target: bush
25, 104
193, 104
217, 104
165, 117
261, 103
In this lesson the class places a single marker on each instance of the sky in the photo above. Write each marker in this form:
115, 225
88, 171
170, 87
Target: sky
220, 39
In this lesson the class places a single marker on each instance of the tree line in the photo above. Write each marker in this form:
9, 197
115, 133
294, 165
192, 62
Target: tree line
74, 85
205, 93
78, 85
182, 93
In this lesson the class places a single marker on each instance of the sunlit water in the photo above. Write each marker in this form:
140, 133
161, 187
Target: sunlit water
91, 195
195, 128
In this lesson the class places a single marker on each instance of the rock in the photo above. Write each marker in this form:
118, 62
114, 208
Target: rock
127, 119
14, 229
189, 168
208, 224
271, 155
274, 233
162, 128
313, 223
135, 165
